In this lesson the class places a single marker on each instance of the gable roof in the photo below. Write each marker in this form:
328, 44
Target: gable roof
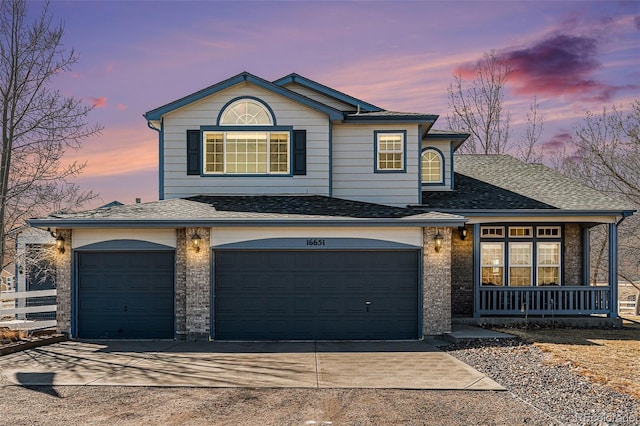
501, 182
157, 113
327, 91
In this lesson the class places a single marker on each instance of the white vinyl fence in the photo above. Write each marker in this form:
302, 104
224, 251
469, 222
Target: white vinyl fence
15, 315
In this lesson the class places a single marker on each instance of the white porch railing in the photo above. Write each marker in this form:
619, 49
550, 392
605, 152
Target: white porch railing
8, 310
627, 305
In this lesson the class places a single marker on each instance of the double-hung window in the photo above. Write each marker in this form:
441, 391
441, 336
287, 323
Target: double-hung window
243, 150
492, 263
390, 151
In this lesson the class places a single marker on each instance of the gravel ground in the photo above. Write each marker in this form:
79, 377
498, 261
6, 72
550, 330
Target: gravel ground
537, 395
558, 391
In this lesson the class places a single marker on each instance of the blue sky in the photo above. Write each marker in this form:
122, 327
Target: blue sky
136, 55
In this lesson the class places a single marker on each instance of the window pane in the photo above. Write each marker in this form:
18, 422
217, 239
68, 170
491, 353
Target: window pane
279, 149
549, 253
492, 258
214, 150
520, 254
246, 112
520, 276
431, 167
492, 276
244, 152
548, 264
390, 151
548, 276
520, 231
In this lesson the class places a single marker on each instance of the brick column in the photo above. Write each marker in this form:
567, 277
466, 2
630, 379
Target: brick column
198, 291
181, 284
436, 283
63, 284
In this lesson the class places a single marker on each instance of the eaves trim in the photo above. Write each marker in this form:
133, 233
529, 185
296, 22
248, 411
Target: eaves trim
244, 222
157, 113
325, 90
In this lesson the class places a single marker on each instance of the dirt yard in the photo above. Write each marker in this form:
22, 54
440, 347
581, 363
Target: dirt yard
188, 406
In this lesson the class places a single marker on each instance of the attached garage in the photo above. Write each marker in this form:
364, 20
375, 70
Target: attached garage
316, 294
125, 294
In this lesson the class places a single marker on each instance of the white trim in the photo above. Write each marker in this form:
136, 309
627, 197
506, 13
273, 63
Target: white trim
85, 236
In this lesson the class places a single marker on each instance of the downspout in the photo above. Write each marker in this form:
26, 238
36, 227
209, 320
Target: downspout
160, 157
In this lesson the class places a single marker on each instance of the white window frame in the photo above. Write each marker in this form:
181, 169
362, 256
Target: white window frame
539, 234
527, 228
266, 133
245, 120
492, 231
513, 244
493, 264
440, 158
549, 265
403, 142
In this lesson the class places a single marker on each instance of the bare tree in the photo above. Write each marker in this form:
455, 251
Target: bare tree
477, 107
528, 149
37, 122
608, 159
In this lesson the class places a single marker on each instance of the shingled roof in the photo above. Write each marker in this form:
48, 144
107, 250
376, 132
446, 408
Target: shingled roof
502, 182
205, 210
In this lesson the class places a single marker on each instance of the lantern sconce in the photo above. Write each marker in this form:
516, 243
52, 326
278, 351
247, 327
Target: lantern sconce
60, 244
195, 242
438, 241
463, 232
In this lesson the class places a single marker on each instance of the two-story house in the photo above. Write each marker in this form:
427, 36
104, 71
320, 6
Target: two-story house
290, 210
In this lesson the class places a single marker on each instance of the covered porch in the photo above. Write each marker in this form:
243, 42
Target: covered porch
558, 298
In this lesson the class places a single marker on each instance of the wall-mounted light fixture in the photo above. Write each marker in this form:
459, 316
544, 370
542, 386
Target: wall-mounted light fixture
463, 232
438, 241
195, 242
60, 244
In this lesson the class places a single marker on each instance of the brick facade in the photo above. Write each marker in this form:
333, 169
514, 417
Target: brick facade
436, 283
573, 254
462, 274
198, 286
181, 284
63, 284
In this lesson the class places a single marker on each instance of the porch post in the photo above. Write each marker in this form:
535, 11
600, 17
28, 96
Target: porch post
586, 256
613, 270
476, 268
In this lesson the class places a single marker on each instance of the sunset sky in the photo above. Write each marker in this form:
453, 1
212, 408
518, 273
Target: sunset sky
137, 55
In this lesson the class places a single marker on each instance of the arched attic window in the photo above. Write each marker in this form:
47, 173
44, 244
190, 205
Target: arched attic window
432, 165
246, 112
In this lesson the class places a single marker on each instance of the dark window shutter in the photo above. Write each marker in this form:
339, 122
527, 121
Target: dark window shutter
299, 152
193, 152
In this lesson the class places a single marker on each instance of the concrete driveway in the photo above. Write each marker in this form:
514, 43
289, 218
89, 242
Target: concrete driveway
388, 365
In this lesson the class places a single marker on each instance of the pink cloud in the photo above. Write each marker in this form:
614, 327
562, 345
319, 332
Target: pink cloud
559, 65
105, 152
558, 142
108, 69
100, 102
121, 107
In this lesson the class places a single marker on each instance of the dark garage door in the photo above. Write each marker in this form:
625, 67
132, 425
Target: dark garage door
126, 295
300, 295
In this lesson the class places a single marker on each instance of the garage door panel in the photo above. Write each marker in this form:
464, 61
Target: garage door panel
125, 295
316, 294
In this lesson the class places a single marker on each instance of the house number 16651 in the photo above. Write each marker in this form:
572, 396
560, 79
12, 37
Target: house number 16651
315, 242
